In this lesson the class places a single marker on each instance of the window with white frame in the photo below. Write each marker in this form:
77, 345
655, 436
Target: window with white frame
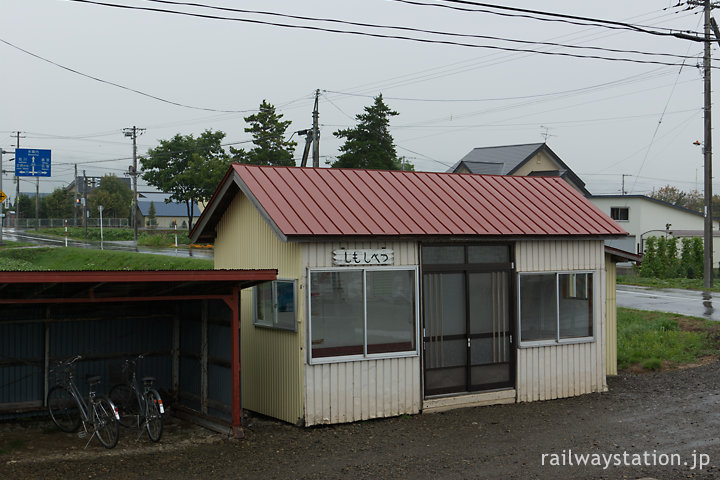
556, 307
363, 312
274, 305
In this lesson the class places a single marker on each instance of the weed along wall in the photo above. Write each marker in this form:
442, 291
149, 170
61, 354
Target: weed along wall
402, 292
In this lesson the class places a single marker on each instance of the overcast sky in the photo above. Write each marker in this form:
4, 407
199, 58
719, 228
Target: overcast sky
603, 118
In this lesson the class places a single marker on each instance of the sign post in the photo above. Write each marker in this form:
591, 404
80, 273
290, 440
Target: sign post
100, 207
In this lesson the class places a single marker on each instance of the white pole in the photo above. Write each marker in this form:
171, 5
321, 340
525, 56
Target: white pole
100, 207
66, 233
176, 233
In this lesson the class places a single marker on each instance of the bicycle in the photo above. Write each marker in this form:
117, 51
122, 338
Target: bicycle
68, 408
139, 409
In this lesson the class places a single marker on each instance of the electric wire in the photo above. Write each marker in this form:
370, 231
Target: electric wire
380, 35
406, 29
123, 87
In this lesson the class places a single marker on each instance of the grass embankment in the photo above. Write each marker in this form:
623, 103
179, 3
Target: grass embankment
46, 258
684, 283
146, 238
655, 340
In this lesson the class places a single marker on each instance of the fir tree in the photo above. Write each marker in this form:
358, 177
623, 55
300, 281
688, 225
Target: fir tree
369, 144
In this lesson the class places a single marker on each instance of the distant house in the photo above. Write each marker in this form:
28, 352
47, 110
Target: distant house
531, 159
166, 214
645, 217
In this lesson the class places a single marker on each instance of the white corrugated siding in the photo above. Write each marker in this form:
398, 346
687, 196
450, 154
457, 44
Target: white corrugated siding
557, 371
360, 390
271, 360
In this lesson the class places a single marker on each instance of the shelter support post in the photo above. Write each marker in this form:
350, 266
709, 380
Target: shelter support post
46, 357
204, 358
176, 352
234, 304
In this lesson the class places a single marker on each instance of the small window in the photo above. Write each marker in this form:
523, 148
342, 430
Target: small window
556, 307
620, 213
274, 305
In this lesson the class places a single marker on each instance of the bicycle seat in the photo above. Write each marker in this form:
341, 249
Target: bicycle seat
148, 379
94, 379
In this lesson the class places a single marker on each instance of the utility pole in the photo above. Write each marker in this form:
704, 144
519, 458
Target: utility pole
84, 209
134, 132
75, 199
707, 6
17, 181
1, 189
623, 192
316, 132
707, 151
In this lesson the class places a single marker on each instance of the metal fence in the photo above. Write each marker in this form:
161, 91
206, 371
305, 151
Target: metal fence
60, 222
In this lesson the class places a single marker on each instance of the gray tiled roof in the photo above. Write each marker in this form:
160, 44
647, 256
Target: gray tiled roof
499, 160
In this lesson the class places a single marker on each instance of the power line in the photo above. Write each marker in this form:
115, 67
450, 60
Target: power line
379, 35
559, 17
407, 29
107, 82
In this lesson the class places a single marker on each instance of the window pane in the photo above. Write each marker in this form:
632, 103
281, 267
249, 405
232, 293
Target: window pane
390, 311
442, 255
488, 254
576, 292
285, 305
263, 304
538, 307
336, 303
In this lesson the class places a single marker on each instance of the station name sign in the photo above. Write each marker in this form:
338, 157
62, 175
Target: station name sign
346, 258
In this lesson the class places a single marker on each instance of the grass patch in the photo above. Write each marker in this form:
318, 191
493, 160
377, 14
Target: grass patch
10, 244
146, 238
683, 283
653, 340
69, 258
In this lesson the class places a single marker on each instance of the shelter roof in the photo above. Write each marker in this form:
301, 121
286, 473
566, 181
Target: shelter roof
322, 202
106, 286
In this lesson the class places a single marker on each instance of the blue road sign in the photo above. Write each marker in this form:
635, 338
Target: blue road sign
31, 162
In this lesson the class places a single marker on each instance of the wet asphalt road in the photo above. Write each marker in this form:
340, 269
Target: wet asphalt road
31, 237
685, 302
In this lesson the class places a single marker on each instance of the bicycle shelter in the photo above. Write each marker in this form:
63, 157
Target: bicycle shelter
187, 323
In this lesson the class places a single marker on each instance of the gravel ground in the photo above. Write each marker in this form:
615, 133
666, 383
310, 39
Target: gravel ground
643, 416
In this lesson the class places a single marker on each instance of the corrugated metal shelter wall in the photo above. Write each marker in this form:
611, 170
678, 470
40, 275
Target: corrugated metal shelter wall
271, 360
611, 317
21, 352
360, 390
549, 372
102, 334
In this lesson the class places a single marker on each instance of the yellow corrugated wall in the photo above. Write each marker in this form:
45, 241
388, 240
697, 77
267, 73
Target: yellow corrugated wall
271, 360
611, 320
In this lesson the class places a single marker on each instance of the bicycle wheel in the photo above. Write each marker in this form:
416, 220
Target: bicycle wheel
153, 417
106, 426
63, 409
124, 398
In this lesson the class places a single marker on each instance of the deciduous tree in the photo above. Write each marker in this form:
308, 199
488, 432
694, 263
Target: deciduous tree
187, 168
114, 195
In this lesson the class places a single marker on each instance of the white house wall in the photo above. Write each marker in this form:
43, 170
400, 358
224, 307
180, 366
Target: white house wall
364, 389
648, 218
547, 372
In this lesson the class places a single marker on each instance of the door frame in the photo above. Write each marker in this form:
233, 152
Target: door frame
466, 269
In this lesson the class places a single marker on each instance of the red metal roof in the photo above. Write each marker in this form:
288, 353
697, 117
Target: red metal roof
330, 202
